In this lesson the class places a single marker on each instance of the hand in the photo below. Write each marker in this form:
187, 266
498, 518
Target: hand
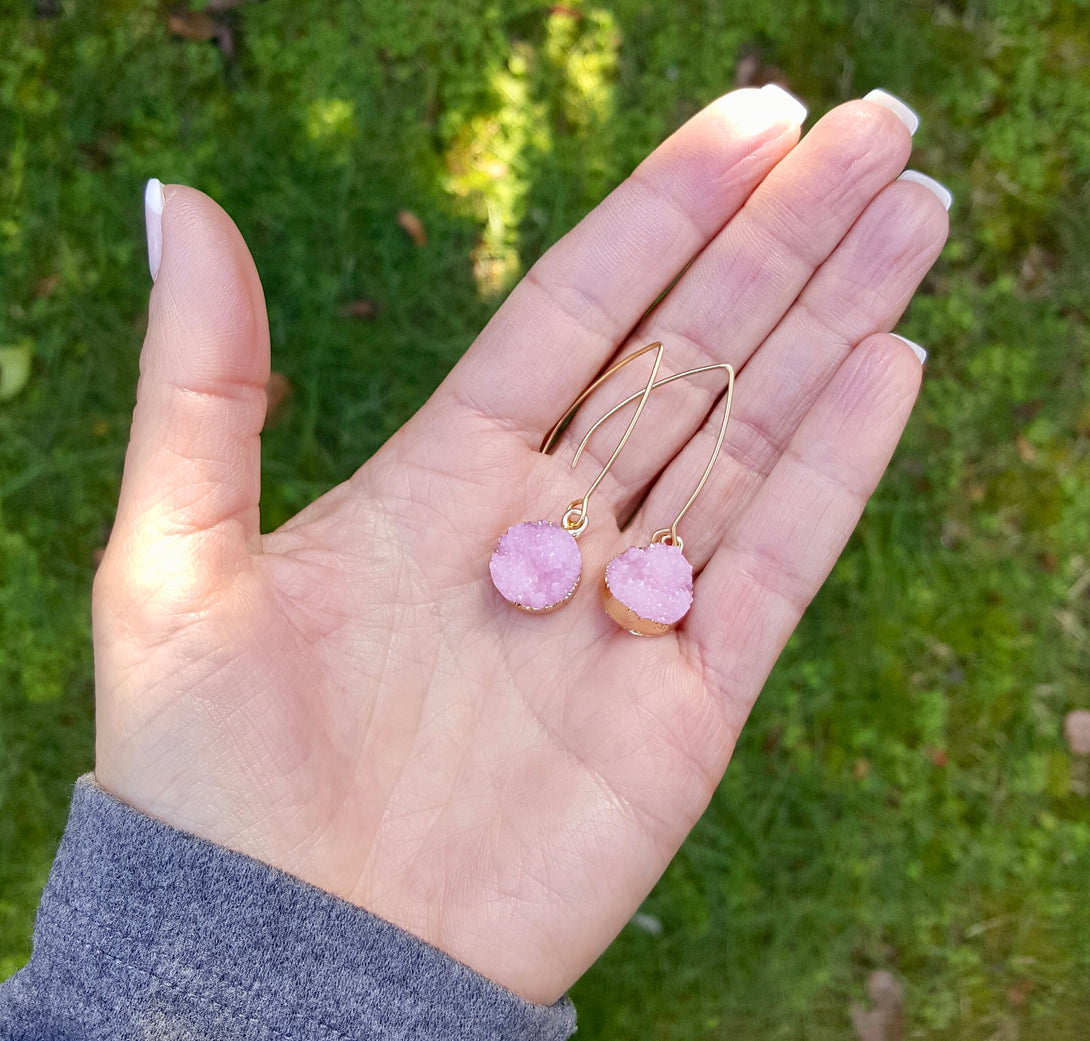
350, 700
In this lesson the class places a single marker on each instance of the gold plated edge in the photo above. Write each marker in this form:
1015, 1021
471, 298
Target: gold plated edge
626, 618
551, 607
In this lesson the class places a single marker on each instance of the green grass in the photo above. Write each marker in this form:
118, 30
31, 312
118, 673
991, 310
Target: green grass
903, 798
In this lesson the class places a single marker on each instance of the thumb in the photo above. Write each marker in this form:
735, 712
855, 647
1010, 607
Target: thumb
188, 514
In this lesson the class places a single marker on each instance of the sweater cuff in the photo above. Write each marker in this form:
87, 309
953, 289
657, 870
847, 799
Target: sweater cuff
150, 928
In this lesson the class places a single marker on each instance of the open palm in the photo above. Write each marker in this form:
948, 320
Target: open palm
350, 700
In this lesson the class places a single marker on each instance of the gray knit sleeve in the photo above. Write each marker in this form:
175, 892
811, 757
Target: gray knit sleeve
146, 932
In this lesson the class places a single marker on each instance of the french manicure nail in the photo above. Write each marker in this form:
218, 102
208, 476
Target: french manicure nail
916, 348
896, 106
941, 192
153, 223
785, 103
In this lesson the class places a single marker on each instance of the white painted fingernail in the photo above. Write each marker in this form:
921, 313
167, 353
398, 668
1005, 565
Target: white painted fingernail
784, 103
940, 191
896, 106
153, 223
916, 348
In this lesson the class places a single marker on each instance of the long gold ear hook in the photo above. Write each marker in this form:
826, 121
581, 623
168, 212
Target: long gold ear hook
575, 517
670, 534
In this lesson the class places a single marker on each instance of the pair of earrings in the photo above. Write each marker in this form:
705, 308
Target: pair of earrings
647, 590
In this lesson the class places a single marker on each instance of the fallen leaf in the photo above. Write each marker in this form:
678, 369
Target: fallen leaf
1018, 993
1026, 411
1035, 268
1077, 731
362, 308
99, 153
1027, 450
277, 392
954, 532
43, 288
413, 226
885, 1021
199, 26
225, 40
14, 370
750, 71
746, 69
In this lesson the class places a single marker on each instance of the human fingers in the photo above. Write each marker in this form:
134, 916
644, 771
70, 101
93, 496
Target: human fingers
781, 548
862, 289
583, 297
188, 511
745, 281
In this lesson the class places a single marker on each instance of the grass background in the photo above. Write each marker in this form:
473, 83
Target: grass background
903, 798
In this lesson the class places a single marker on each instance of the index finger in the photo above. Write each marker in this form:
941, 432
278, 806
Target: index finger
582, 298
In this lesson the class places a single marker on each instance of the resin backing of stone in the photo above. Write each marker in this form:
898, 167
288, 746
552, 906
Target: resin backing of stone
648, 589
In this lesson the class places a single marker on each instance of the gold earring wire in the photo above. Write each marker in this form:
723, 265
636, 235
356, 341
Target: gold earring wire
536, 565
579, 506
648, 590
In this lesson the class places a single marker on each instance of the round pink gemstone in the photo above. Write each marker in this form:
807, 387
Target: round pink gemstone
655, 581
536, 565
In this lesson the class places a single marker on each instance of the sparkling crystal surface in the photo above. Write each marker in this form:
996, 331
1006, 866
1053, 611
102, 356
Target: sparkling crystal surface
536, 565
655, 581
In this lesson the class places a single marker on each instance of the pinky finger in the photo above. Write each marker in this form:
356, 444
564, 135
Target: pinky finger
777, 554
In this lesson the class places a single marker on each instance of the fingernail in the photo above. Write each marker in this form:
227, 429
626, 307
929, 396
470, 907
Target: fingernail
916, 348
785, 103
896, 106
940, 191
153, 223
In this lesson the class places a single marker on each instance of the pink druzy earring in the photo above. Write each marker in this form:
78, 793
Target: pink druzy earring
536, 565
648, 589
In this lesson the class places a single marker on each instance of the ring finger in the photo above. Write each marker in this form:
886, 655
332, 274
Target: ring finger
862, 289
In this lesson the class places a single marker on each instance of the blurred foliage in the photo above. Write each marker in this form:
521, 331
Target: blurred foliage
902, 798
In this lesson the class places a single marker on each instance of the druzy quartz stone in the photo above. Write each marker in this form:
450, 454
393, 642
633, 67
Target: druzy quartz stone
648, 589
536, 565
